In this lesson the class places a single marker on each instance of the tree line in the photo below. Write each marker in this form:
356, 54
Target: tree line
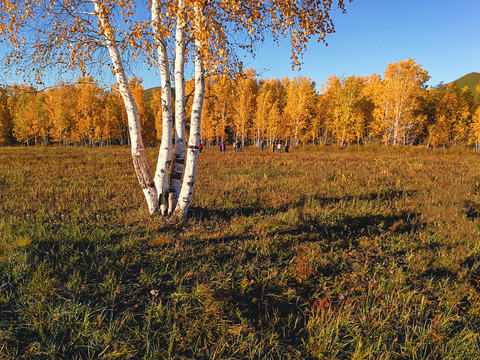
80, 114
396, 108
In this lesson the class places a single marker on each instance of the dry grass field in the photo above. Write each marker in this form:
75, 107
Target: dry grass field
355, 253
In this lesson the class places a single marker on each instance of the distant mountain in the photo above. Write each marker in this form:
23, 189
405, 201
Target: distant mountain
471, 80
149, 93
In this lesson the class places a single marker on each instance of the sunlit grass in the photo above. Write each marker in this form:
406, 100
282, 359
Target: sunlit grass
363, 252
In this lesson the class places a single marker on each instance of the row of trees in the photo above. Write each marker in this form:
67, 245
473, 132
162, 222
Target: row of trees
397, 108
80, 114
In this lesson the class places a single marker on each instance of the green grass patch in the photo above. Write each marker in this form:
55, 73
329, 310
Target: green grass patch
363, 252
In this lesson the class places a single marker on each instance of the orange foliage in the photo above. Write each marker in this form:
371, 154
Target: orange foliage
398, 102
349, 110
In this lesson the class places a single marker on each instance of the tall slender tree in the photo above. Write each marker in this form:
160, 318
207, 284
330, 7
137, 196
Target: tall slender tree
6, 124
25, 114
348, 118
398, 100
300, 107
244, 104
223, 95
452, 113
270, 103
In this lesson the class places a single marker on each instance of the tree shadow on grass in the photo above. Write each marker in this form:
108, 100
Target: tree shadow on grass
343, 232
269, 304
278, 306
471, 210
201, 213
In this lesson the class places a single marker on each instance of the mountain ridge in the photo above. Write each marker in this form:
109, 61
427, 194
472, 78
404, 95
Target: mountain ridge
471, 80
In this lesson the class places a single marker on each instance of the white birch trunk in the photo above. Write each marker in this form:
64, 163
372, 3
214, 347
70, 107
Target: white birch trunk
140, 162
179, 155
191, 162
395, 130
165, 151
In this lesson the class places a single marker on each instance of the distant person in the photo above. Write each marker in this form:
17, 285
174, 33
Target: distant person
235, 146
279, 147
273, 146
261, 145
200, 147
287, 147
239, 146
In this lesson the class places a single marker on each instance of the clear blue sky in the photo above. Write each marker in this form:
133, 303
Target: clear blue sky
441, 35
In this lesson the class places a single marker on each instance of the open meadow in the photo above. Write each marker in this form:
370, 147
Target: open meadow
363, 252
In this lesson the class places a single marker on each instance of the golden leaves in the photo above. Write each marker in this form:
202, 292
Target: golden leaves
398, 99
220, 26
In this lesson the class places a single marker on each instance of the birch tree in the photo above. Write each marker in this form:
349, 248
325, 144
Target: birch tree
270, 101
300, 107
186, 191
73, 35
86, 112
475, 129
398, 100
244, 104
320, 127
451, 117
6, 124
112, 115
59, 111
25, 116
207, 130
222, 104
348, 118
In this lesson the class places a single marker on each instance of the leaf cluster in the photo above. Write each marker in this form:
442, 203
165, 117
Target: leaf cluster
69, 35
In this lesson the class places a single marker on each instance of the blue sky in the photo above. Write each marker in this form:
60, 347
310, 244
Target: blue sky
441, 35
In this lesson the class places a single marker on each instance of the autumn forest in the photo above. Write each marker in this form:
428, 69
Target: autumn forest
350, 251
395, 108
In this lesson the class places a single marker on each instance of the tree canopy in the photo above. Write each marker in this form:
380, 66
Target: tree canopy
344, 111
69, 34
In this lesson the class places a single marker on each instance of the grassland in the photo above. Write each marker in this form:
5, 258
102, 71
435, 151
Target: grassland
363, 252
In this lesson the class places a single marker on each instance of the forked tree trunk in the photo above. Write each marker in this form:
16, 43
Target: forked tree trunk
140, 162
165, 151
191, 162
156, 189
179, 155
